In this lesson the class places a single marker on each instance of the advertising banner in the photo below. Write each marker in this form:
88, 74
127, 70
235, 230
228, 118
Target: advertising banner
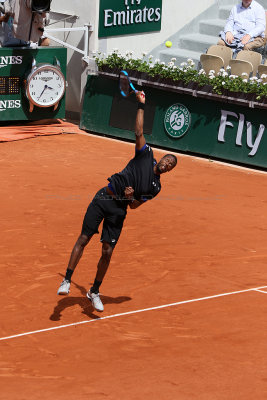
181, 122
15, 66
124, 17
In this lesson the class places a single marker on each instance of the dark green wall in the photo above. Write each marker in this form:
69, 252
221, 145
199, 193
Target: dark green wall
202, 136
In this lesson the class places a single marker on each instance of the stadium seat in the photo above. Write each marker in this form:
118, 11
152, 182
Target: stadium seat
262, 70
224, 52
252, 56
238, 67
210, 62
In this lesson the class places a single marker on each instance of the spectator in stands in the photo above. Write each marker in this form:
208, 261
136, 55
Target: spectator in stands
27, 26
245, 27
6, 21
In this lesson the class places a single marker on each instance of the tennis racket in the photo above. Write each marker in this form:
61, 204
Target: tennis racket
125, 84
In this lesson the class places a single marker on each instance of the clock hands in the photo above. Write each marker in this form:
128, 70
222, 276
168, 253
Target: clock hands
45, 87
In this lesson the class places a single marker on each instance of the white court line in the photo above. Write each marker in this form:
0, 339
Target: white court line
132, 312
261, 291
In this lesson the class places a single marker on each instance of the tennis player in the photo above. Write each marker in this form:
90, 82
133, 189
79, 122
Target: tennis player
134, 186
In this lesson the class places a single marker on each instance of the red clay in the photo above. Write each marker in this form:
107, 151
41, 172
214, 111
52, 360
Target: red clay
204, 235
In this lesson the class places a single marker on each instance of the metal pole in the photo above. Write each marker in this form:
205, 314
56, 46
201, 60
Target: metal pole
86, 39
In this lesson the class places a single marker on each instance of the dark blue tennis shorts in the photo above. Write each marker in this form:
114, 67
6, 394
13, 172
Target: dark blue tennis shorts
112, 211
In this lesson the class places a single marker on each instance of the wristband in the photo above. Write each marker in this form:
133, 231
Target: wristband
141, 106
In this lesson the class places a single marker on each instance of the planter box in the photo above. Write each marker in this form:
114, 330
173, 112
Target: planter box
193, 88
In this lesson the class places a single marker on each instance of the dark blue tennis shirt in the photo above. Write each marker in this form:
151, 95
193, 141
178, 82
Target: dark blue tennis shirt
139, 174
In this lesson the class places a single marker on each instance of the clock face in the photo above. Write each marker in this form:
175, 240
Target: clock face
45, 86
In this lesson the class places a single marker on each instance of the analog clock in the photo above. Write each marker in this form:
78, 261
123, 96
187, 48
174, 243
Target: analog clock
45, 86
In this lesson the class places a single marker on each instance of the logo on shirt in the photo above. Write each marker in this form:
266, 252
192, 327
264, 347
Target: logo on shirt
177, 120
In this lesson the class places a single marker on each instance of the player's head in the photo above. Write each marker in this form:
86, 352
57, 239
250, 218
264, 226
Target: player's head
166, 163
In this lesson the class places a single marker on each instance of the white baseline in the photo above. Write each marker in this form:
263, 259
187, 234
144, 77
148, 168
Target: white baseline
133, 312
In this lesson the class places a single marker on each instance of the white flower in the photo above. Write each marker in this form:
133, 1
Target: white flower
212, 71
232, 76
144, 53
212, 76
171, 64
225, 74
245, 80
228, 67
157, 61
263, 76
244, 74
190, 62
150, 57
115, 50
183, 64
173, 59
162, 63
201, 72
223, 83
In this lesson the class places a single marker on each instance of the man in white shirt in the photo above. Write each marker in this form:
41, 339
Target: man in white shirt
245, 27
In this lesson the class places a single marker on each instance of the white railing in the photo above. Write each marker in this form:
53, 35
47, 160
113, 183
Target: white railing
86, 29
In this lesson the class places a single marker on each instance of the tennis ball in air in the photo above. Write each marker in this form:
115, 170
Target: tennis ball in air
168, 43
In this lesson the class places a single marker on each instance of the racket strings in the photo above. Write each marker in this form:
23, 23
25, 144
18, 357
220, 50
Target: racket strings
124, 85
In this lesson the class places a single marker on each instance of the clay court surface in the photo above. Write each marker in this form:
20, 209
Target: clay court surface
199, 250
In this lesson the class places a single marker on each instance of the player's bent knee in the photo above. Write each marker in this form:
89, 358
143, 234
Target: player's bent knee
107, 250
83, 240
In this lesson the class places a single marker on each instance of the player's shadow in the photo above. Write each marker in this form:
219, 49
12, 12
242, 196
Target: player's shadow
84, 303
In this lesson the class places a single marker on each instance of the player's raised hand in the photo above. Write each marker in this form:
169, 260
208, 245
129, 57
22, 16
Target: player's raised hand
141, 97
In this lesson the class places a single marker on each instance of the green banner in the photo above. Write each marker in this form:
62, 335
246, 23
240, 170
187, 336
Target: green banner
124, 17
182, 122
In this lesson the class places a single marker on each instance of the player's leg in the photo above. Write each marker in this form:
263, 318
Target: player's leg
93, 217
102, 267
112, 227
75, 256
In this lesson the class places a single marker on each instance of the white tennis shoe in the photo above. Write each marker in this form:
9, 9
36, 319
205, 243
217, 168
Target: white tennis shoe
96, 301
64, 288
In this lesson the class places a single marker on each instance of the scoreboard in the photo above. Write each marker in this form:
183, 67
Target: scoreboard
47, 65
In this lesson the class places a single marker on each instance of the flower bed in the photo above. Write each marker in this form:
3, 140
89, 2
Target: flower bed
186, 75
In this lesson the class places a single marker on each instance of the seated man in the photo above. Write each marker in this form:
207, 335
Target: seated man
245, 27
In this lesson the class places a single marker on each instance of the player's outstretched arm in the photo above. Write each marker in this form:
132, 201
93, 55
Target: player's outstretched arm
139, 123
